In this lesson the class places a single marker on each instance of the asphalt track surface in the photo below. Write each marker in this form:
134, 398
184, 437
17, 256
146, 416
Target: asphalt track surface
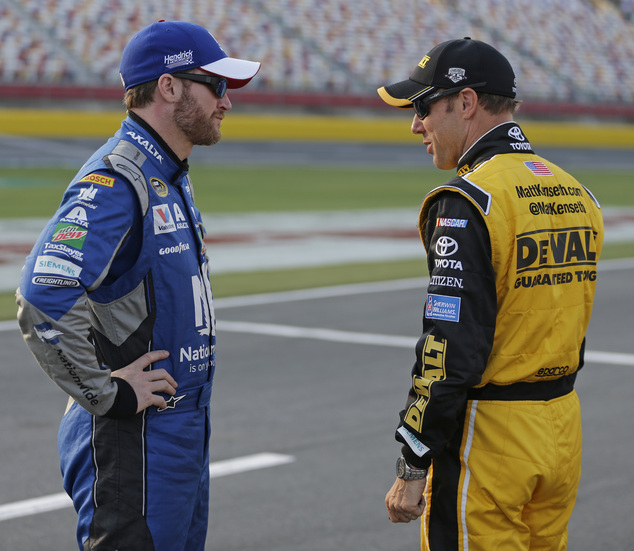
317, 378
310, 383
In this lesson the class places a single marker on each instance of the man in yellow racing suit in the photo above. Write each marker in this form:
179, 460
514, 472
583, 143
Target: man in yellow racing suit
491, 431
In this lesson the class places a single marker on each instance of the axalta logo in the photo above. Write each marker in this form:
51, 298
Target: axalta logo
556, 249
186, 57
149, 147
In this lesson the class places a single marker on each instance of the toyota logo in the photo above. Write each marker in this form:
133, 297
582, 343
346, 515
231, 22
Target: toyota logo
446, 246
516, 134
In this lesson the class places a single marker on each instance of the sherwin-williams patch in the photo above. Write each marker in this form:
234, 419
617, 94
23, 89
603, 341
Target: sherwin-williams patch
442, 307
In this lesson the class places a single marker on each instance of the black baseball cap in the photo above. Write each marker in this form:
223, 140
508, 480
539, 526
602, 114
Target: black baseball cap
463, 63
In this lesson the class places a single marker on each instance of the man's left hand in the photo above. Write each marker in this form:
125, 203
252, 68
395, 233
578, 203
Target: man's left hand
405, 501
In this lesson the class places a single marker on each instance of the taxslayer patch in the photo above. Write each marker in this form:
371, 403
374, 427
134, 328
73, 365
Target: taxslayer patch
99, 179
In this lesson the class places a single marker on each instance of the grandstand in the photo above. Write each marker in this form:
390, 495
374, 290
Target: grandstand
564, 51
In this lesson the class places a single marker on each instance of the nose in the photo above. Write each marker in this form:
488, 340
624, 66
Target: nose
225, 103
417, 126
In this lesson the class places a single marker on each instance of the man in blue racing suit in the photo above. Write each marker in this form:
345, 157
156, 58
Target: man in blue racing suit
116, 305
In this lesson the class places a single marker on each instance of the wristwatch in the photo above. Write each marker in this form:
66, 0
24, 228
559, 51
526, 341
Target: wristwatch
404, 471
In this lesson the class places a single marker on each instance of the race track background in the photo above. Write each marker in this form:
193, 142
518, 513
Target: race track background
306, 398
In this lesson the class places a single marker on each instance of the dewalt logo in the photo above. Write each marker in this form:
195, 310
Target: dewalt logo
556, 249
423, 62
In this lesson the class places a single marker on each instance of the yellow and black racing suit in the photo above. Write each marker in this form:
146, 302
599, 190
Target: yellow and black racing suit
512, 247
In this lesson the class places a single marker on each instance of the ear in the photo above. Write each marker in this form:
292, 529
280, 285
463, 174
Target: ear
468, 102
169, 88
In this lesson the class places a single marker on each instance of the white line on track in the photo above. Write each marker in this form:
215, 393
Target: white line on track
217, 469
395, 341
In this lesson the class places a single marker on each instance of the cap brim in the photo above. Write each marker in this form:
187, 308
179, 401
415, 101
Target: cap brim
238, 72
401, 94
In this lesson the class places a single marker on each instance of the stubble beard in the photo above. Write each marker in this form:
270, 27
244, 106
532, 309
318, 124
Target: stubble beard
190, 118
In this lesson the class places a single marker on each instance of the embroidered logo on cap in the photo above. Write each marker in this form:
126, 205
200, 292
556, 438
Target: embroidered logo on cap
456, 74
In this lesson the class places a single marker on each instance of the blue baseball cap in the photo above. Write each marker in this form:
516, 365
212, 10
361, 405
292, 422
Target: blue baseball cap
172, 46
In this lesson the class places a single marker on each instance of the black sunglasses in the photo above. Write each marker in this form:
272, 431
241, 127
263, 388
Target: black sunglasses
421, 106
217, 84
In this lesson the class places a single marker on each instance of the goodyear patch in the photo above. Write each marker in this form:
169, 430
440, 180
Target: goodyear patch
99, 179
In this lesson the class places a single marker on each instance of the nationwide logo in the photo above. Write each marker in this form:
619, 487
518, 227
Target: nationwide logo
163, 220
70, 235
98, 179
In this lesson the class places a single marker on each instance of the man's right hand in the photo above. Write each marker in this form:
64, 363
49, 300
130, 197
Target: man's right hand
146, 383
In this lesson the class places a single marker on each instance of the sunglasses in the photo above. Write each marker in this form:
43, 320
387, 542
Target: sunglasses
218, 85
421, 105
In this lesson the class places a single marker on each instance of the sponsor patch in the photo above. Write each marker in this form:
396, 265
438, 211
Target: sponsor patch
159, 187
52, 281
56, 266
456, 74
451, 223
414, 443
88, 194
163, 220
46, 333
446, 246
442, 307
98, 179
70, 234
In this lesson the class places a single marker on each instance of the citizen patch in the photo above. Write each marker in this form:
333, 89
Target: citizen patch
98, 179
442, 307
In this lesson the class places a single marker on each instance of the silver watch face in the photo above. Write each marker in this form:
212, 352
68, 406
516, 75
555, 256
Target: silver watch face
400, 467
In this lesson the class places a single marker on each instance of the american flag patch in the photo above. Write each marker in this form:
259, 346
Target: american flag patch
538, 168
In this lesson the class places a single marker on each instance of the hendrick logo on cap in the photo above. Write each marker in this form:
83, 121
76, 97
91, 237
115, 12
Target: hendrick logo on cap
185, 57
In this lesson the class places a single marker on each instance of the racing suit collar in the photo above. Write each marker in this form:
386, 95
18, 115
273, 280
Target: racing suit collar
504, 138
181, 166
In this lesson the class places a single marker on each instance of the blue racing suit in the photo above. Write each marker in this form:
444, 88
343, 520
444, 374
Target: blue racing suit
120, 270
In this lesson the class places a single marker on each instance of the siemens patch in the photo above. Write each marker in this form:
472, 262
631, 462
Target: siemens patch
442, 307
